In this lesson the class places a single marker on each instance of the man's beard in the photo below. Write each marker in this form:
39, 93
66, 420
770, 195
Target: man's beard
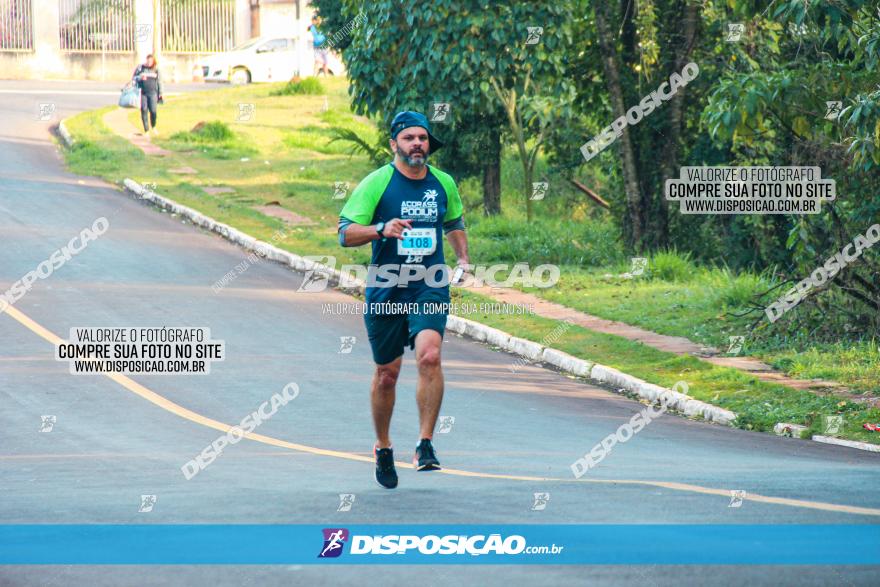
411, 160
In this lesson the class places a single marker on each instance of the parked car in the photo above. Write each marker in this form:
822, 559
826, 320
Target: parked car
264, 59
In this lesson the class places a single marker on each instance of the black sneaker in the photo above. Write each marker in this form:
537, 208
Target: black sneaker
386, 474
425, 459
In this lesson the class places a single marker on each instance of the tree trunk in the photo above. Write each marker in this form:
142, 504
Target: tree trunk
682, 45
492, 174
633, 221
529, 188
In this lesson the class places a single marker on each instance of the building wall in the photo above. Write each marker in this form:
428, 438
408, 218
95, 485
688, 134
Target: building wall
47, 61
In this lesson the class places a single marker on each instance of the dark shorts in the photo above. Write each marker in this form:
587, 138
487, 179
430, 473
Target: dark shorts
390, 333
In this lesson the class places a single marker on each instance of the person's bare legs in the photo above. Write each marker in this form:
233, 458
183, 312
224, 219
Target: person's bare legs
382, 396
429, 392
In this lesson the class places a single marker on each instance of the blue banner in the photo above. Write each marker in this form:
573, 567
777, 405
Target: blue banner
440, 544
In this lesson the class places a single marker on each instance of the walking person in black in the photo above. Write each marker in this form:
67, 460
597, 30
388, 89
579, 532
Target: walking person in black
146, 77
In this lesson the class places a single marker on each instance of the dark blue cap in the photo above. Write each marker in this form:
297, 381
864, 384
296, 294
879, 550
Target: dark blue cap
407, 119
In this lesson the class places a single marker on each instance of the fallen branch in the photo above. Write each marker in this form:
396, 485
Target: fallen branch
593, 195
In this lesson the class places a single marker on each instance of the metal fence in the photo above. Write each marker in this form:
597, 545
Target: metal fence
197, 26
93, 26
16, 25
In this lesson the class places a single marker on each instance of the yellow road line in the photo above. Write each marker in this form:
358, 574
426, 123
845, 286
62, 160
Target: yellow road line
168, 405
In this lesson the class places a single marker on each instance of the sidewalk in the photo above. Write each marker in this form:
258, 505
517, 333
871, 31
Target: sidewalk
117, 121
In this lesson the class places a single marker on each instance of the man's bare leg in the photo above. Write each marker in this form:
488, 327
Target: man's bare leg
429, 392
382, 396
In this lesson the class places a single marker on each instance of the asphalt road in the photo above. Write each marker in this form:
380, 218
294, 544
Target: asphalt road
110, 444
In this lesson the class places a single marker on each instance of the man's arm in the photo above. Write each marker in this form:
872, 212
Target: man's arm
352, 234
453, 221
458, 241
355, 226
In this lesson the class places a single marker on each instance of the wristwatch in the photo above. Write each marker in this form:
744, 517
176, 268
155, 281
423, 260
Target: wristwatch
379, 228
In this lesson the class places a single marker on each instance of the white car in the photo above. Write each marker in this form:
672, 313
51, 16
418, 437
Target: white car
264, 59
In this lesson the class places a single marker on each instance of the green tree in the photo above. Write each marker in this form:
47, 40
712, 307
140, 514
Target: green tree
334, 18
529, 118
411, 55
771, 108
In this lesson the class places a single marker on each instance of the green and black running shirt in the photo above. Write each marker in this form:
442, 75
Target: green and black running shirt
431, 203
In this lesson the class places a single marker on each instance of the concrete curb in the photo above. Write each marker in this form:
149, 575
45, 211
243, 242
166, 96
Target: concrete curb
675, 400
527, 349
849, 443
798, 431
65, 135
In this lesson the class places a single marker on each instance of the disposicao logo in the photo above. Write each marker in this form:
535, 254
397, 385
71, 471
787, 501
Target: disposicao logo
334, 539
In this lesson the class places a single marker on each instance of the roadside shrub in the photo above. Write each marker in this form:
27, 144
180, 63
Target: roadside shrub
206, 132
671, 266
734, 290
214, 139
306, 86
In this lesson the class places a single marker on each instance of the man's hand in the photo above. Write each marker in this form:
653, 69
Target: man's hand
458, 240
161, 100
463, 273
394, 228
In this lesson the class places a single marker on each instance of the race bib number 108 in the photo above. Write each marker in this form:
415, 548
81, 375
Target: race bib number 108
417, 241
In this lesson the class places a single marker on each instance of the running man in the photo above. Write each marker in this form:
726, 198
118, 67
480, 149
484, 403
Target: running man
406, 196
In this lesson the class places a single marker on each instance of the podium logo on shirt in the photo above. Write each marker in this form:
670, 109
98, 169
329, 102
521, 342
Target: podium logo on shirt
426, 209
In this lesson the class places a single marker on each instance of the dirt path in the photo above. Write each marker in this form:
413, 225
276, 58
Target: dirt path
117, 121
